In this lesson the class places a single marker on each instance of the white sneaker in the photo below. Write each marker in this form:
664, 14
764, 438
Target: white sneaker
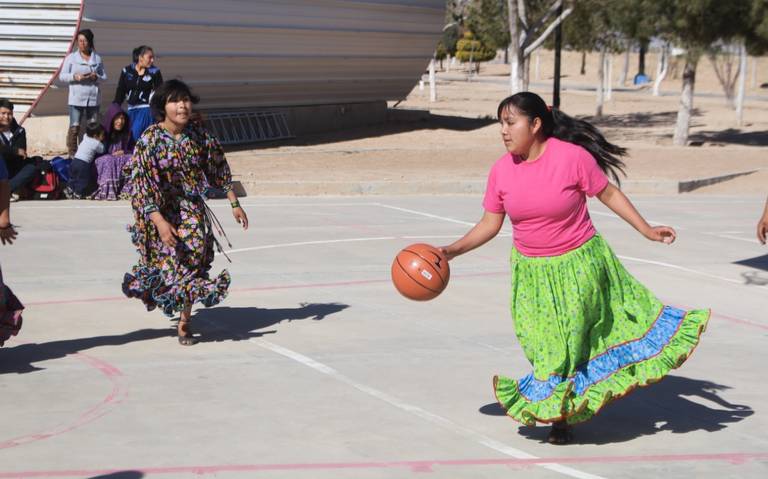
14, 197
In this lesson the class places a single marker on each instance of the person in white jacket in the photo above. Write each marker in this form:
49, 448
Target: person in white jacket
82, 70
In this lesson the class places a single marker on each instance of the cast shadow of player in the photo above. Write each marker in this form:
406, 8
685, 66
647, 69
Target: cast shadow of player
664, 406
238, 324
20, 359
120, 475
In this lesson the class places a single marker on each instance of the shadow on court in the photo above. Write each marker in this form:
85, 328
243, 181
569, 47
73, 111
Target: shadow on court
120, 475
20, 359
660, 407
238, 324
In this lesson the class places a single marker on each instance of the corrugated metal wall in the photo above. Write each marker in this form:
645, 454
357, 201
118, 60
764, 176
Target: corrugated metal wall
242, 54
34, 38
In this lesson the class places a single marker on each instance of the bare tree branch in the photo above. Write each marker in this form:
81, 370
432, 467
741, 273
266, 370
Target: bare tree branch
522, 13
533, 46
540, 22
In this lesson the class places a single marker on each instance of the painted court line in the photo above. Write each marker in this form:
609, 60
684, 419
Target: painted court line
640, 260
417, 411
114, 397
214, 204
423, 466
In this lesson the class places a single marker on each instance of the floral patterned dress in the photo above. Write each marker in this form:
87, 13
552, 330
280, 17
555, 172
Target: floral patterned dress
172, 176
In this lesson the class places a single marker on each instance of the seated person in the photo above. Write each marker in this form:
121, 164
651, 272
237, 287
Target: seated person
82, 172
110, 176
13, 148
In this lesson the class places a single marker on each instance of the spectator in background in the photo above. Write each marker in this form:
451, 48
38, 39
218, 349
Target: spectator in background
82, 174
138, 82
118, 147
13, 149
82, 70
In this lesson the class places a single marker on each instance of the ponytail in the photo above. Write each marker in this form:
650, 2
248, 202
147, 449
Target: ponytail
563, 127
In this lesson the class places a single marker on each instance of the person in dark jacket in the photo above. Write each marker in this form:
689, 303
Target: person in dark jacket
138, 82
13, 150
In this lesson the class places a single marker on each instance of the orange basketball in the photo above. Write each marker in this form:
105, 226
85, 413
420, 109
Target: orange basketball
420, 272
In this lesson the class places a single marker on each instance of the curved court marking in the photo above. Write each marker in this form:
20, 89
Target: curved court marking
115, 396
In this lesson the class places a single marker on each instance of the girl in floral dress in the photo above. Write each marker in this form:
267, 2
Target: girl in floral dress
175, 163
591, 331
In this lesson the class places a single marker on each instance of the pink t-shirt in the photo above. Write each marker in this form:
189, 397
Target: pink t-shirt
546, 199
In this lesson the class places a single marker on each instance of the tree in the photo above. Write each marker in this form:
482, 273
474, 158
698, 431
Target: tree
636, 21
593, 26
470, 49
697, 24
528, 29
578, 33
487, 19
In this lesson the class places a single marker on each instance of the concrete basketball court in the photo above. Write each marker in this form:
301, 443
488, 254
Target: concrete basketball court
314, 366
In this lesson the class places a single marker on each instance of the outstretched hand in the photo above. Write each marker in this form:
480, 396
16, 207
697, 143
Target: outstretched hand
240, 217
8, 234
762, 229
662, 234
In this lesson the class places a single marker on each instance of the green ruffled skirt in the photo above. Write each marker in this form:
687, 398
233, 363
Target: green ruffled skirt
591, 331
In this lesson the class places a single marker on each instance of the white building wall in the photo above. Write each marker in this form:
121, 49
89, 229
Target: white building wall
251, 53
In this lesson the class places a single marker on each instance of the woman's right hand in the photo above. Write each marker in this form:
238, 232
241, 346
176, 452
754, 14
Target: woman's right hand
447, 252
168, 234
762, 229
8, 234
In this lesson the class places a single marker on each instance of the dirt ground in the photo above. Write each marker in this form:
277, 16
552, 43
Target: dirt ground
459, 139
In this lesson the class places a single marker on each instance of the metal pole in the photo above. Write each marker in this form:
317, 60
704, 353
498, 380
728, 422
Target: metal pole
558, 46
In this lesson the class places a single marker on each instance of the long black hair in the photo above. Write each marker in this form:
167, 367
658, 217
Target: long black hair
563, 127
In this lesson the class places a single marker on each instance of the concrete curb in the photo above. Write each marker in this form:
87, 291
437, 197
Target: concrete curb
450, 187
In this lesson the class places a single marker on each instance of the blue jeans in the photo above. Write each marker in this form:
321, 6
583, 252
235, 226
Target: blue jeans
23, 177
76, 113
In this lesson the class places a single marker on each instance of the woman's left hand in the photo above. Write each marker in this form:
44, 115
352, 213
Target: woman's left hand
662, 234
240, 216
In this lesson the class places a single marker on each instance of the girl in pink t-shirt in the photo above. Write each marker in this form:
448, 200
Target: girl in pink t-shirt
591, 331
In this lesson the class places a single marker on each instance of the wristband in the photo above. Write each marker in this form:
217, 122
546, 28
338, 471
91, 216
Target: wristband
235, 204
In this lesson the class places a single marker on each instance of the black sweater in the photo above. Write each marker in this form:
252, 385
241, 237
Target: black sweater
135, 89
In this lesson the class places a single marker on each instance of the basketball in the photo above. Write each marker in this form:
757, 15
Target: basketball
420, 272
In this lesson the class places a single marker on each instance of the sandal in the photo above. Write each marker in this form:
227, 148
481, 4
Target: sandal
560, 434
185, 337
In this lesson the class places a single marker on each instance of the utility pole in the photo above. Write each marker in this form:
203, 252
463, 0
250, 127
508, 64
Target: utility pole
558, 47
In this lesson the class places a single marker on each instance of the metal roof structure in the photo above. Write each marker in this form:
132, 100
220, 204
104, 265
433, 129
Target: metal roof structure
236, 54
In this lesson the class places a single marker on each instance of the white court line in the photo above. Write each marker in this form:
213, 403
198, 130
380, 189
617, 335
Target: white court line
429, 215
753, 240
419, 412
212, 204
682, 268
640, 260
341, 240
681, 228
650, 222
305, 243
